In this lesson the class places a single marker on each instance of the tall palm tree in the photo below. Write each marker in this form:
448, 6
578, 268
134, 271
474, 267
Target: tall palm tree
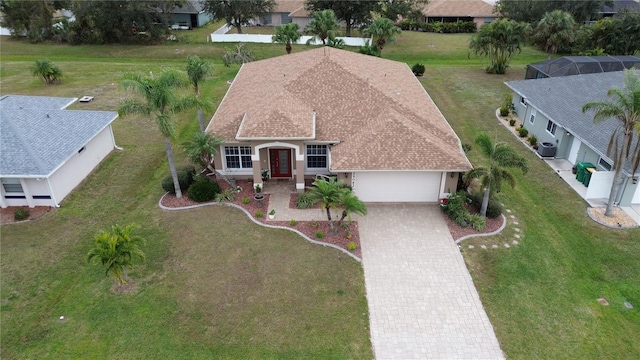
329, 193
382, 30
625, 107
350, 204
116, 249
160, 99
198, 70
501, 157
287, 34
201, 149
499, 40
555, 29
323, 25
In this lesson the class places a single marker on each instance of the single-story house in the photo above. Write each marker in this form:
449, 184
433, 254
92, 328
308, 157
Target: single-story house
477, 11
576, 65
617, 6
190, 15
46, 150
551, 109
282, 14
361, 118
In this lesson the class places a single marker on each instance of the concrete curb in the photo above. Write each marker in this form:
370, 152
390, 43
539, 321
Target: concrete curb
258, 222
504, 224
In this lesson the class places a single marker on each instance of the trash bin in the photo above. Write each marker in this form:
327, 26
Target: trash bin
587, 175
547, 149
581, 169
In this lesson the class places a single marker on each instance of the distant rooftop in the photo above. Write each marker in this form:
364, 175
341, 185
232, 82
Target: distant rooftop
580, 65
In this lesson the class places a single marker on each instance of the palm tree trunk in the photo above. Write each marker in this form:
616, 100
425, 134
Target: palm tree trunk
485, 201
344, 215
329, 218
201, 119
172, 167
288, 48
618, 179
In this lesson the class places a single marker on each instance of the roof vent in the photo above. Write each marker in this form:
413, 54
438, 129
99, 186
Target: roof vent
48, 116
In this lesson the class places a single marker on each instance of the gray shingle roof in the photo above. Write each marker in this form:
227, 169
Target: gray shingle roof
37, 135
561, 99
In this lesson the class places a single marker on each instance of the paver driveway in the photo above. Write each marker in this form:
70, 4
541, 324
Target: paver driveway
422, 301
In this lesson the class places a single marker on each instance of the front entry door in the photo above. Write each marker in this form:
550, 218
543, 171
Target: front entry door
280, 163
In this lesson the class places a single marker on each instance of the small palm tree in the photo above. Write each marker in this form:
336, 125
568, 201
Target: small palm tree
499, 40
382, 30
160, 99
329, 193
49, 72
323, 25
555, 29
116, 249
501, 156
198, 70
350, 204
201, 150
287, 34
625, 107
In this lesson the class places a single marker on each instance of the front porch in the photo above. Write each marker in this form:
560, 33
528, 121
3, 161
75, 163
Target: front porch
563, 168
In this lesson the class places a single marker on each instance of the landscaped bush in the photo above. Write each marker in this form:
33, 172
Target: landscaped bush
21, 214
185, 179
477, 221
533, 140
203, 190
259, 214
227, 195
449, 28
418, 69
454, 207
494, 208
523, 132
305, 201
504, 111
512, 122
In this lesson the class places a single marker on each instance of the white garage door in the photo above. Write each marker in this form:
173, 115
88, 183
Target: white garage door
401, 186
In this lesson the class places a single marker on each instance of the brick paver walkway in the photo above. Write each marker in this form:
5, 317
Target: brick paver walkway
422, 301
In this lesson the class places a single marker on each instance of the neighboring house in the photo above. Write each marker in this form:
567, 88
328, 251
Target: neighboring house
551, 109
617, 6
364, 119
282, 14
477, 11
190, 15
45, 150
576, 65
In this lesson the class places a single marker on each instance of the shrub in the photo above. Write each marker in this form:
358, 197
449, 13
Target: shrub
477, 221
494, 208
293, 222
351, 246
533, 140
454, 207
314, 224
523, 132
504, 111
418, 69
203, 190
466, 147
512, 122
319, 234
246, 200
185, 179
21, 214
226, 196
305, 201
369, 49
259, 214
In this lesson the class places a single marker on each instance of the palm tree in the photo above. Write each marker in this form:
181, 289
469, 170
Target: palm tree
555, 29
201, 149
501, 156
350, 204
116, 249
198, 70
381, 30
49, 72
323, 25
625, 107
498, 40
287, 34
161, 100
329, 192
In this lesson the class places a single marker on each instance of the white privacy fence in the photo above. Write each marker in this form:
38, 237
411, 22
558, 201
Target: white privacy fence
221, 35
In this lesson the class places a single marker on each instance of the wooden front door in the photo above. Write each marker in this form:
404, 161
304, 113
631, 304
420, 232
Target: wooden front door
280, 163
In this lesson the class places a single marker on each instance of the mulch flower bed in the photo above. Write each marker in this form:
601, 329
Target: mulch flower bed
310, 228
7, 214
457, 231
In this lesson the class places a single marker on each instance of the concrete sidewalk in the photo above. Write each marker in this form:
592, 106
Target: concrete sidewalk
422, 301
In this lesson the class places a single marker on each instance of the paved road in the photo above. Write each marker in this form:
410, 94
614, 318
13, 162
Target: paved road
422, 301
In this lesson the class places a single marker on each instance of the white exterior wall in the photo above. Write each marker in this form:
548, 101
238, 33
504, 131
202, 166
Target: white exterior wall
600, 185
69, 175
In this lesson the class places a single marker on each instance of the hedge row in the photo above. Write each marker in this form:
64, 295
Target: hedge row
439, 27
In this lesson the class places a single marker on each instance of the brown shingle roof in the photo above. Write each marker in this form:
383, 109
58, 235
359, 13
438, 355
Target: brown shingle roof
288, 6
450, 8
377, 113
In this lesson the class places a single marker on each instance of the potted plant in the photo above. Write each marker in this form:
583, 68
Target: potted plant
258, 195
258, 188
272, 214
265, 174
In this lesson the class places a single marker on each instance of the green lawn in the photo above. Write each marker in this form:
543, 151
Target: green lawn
217, 286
